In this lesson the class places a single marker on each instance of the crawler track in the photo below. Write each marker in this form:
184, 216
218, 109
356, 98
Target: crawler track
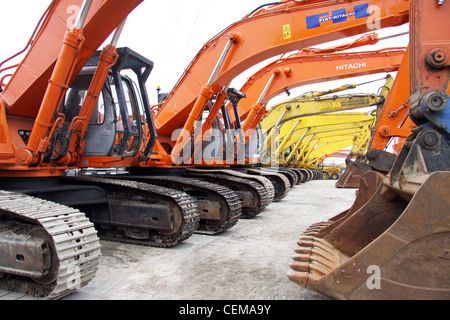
280, 182
186, 209
230, 205
71, 238
259, 199
268, 186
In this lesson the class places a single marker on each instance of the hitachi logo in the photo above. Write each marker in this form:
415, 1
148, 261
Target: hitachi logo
338, 16
350, 66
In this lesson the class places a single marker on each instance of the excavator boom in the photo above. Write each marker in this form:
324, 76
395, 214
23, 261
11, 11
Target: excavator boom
307, 137
72, 108
26, 88
296, 134
304, 106
298, 70
49, 246
294, 109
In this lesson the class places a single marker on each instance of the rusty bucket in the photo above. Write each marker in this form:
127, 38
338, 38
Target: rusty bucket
352, 174
384, 247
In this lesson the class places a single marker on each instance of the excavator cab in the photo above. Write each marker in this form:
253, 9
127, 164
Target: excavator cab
118, 123
223, 140
101, 135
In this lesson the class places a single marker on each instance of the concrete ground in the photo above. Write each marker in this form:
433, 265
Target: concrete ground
247, 262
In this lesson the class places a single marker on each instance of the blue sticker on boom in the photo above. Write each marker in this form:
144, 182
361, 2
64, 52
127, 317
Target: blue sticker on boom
337, 16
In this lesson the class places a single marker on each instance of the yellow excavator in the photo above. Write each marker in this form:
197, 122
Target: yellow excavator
305, 129
314, 136
315, 103
282, 117
324, 146
297, 135
296, 108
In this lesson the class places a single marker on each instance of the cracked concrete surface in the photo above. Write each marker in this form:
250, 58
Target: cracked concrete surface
247, 262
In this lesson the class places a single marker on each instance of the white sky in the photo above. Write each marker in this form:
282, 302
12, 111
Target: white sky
170, 33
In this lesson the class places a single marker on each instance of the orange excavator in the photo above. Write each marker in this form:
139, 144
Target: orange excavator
393, 122
49, 249
239, 47
393, 242
197, 98
300, 69
305, 67
72, 109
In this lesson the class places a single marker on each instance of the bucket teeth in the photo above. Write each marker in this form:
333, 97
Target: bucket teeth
302, 257
305, 244
302, 250
303, 272
315, 228
317, 257
300, 278
313, 242
309, 268
300, 266
320, 225
314, 258
312, 231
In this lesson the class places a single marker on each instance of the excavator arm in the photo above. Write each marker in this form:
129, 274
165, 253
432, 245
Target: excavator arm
323, 149
303, 107
26, 89
41, 218
297, 134
361, 142
31, 99
393, 121
395, 111
299, 69
295, 108
294, 70
313, 141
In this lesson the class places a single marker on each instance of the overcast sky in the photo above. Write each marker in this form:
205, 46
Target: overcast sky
168, 32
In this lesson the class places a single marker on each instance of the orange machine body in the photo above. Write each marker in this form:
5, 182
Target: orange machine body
29, 100
301, 70
287, 27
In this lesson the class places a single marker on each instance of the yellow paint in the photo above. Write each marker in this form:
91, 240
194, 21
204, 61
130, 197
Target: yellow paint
287, 31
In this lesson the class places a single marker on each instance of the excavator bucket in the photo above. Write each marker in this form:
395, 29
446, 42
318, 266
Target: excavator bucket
388, 248
368, 184
352, 174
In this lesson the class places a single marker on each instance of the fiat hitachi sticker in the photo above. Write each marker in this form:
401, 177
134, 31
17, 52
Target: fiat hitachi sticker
337, 16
